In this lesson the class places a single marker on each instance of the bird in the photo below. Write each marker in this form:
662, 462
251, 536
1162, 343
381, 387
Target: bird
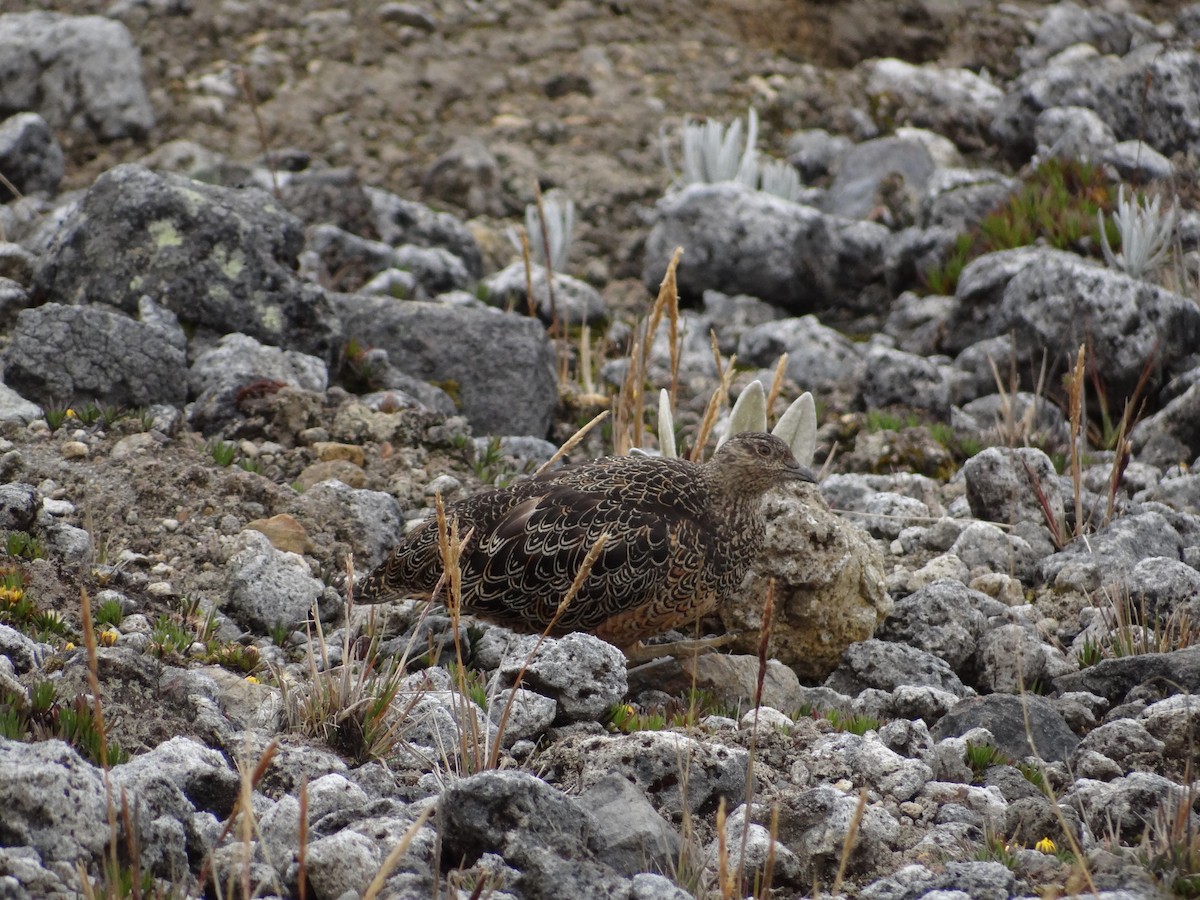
679, 538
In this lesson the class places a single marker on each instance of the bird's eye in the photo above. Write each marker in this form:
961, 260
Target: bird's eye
763, 450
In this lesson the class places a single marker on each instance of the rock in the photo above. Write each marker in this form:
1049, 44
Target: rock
53, 801
865, 762
896, 377
1161, 587
1106, 555
1171, 435
673, 770
23, 653
19, 505
284, 532
1113, 679
815, 825
500, 366
1016, 487
267, 587
829, 586
114, 359
1127, 805
944, 618
746, 849
238, 360
819, 358
575, 302
887, 666
882, 180
802, 260
730, 679
371, 522
1138, 163
628, 834
1074, 132
1125, 742
468, 176
399, 221
30, 156
219, 259
960, 198
582, 673
1173, 722
1012, 658
80, 73
513, 814
342, 862
521, 715
957, 103
1004, 715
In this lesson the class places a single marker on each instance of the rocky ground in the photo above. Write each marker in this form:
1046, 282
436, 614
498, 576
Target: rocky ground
225, 396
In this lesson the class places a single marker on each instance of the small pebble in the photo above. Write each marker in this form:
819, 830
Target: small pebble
74, 450
58, 508
171, 525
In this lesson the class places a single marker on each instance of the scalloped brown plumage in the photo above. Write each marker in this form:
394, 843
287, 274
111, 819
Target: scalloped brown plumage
681, 537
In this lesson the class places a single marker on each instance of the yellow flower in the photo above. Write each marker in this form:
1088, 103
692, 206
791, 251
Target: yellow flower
108, 638
1045, 845
68, 647
252, 679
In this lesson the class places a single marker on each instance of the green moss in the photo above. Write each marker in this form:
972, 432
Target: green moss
1056, 205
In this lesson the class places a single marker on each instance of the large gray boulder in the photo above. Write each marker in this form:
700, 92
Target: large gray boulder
499, 367
741, 241
61, 354
80, 73
222, 260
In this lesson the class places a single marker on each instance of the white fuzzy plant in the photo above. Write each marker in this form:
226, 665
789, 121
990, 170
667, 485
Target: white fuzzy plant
797, 427
1146, 233
714, 152
559, 225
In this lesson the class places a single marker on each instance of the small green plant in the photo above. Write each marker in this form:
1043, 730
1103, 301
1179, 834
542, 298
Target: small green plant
223, 453
44, 716
880, 420
251, 465
981, 757
57, 416
1033, 774
280, 632
23, 545
110, 613
243, 658
996, 849
853, 723
1061, 203
169, 638
88, 413
473, 681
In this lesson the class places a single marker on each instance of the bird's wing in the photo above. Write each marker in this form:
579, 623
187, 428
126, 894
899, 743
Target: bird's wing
522, 568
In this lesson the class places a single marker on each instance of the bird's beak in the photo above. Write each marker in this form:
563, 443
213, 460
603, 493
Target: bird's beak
802, 473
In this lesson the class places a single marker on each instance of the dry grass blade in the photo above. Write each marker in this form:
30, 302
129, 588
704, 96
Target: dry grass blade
1057, 530
556, 329
585, 569
527, 259
393, 857
302, 853
667, 302
848, 843
715, 402
724, 876
1075, 390
763, 642
264, 144
777, 382
572, 442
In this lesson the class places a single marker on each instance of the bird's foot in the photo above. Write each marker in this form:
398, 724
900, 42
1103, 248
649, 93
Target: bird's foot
642, 652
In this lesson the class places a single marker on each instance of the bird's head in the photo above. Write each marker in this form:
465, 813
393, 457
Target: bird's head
754, 461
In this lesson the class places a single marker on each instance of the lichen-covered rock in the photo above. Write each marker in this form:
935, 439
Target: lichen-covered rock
829, 586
